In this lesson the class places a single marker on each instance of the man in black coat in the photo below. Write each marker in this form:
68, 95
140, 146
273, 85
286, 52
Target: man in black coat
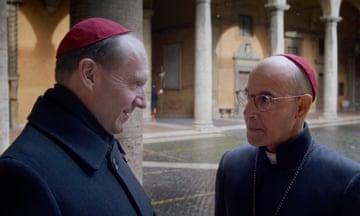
284, 171
66, 161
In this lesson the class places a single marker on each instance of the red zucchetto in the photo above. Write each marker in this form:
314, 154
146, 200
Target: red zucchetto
306, 68
89, 31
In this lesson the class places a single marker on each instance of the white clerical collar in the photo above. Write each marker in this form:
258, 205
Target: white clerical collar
272, 157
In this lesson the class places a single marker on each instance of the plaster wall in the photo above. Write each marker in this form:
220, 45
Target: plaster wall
39, 34
175, 102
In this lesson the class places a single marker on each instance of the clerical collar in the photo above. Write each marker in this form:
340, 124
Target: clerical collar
290, 153
272, 157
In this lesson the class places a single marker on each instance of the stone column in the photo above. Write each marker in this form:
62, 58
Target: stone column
129, 14
351, 68
203, 67
147, 42
12, 8
330, 67
216, 33
4, 87
277, 8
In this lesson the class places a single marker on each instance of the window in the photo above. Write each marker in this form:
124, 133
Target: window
246, 26
293, 50
341, 89
293, 45
172, 66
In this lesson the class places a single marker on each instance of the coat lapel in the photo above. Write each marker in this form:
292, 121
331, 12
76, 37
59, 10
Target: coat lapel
128, 181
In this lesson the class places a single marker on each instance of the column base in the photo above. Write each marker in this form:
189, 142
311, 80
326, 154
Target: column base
329, 116
147, 119
203, 125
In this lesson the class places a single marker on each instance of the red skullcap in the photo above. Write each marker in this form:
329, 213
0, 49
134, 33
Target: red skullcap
89, 31
308, 70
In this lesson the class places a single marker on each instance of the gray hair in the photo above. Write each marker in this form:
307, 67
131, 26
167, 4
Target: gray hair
109, 53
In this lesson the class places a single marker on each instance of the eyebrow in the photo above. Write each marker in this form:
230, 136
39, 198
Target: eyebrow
138, 77
268, 93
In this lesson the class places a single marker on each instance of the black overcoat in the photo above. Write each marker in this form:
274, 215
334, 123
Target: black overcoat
64, 163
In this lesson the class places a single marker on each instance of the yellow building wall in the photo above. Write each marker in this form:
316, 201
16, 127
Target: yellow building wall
178, 102
227, 48
39, 34
310, 52
228, 44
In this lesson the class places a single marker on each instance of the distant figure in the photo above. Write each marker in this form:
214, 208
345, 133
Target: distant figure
67, 161
155, 93
284, 171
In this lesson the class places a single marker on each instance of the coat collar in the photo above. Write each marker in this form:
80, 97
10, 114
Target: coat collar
290, 154
60, 114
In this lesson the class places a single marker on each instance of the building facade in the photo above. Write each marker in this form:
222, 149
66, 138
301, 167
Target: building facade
200, 51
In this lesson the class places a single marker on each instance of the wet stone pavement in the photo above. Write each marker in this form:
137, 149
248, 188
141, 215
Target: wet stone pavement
179, 176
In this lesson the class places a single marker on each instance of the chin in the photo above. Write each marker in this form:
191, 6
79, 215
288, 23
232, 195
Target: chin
118, 130
253, 140
256, 142
115, 129
118, 125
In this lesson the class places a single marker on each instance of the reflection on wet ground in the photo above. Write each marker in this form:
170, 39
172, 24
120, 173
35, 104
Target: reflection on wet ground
179, 176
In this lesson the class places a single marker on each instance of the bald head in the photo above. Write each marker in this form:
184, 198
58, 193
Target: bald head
290, 75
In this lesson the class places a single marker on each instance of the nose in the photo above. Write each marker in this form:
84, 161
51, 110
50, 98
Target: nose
141, 100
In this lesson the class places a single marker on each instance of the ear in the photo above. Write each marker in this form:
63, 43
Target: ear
304, 105
87, 68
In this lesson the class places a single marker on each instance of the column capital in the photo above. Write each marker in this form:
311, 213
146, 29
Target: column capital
277, 6
335, 19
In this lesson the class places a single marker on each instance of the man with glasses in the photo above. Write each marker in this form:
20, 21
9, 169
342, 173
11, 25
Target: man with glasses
284, 171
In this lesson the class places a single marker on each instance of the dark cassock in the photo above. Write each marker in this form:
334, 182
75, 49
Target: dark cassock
303, 178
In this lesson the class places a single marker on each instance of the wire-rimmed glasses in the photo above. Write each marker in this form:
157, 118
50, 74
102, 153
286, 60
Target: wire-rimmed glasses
262, 102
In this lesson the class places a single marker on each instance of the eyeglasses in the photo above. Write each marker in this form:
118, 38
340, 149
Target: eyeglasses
262, 102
